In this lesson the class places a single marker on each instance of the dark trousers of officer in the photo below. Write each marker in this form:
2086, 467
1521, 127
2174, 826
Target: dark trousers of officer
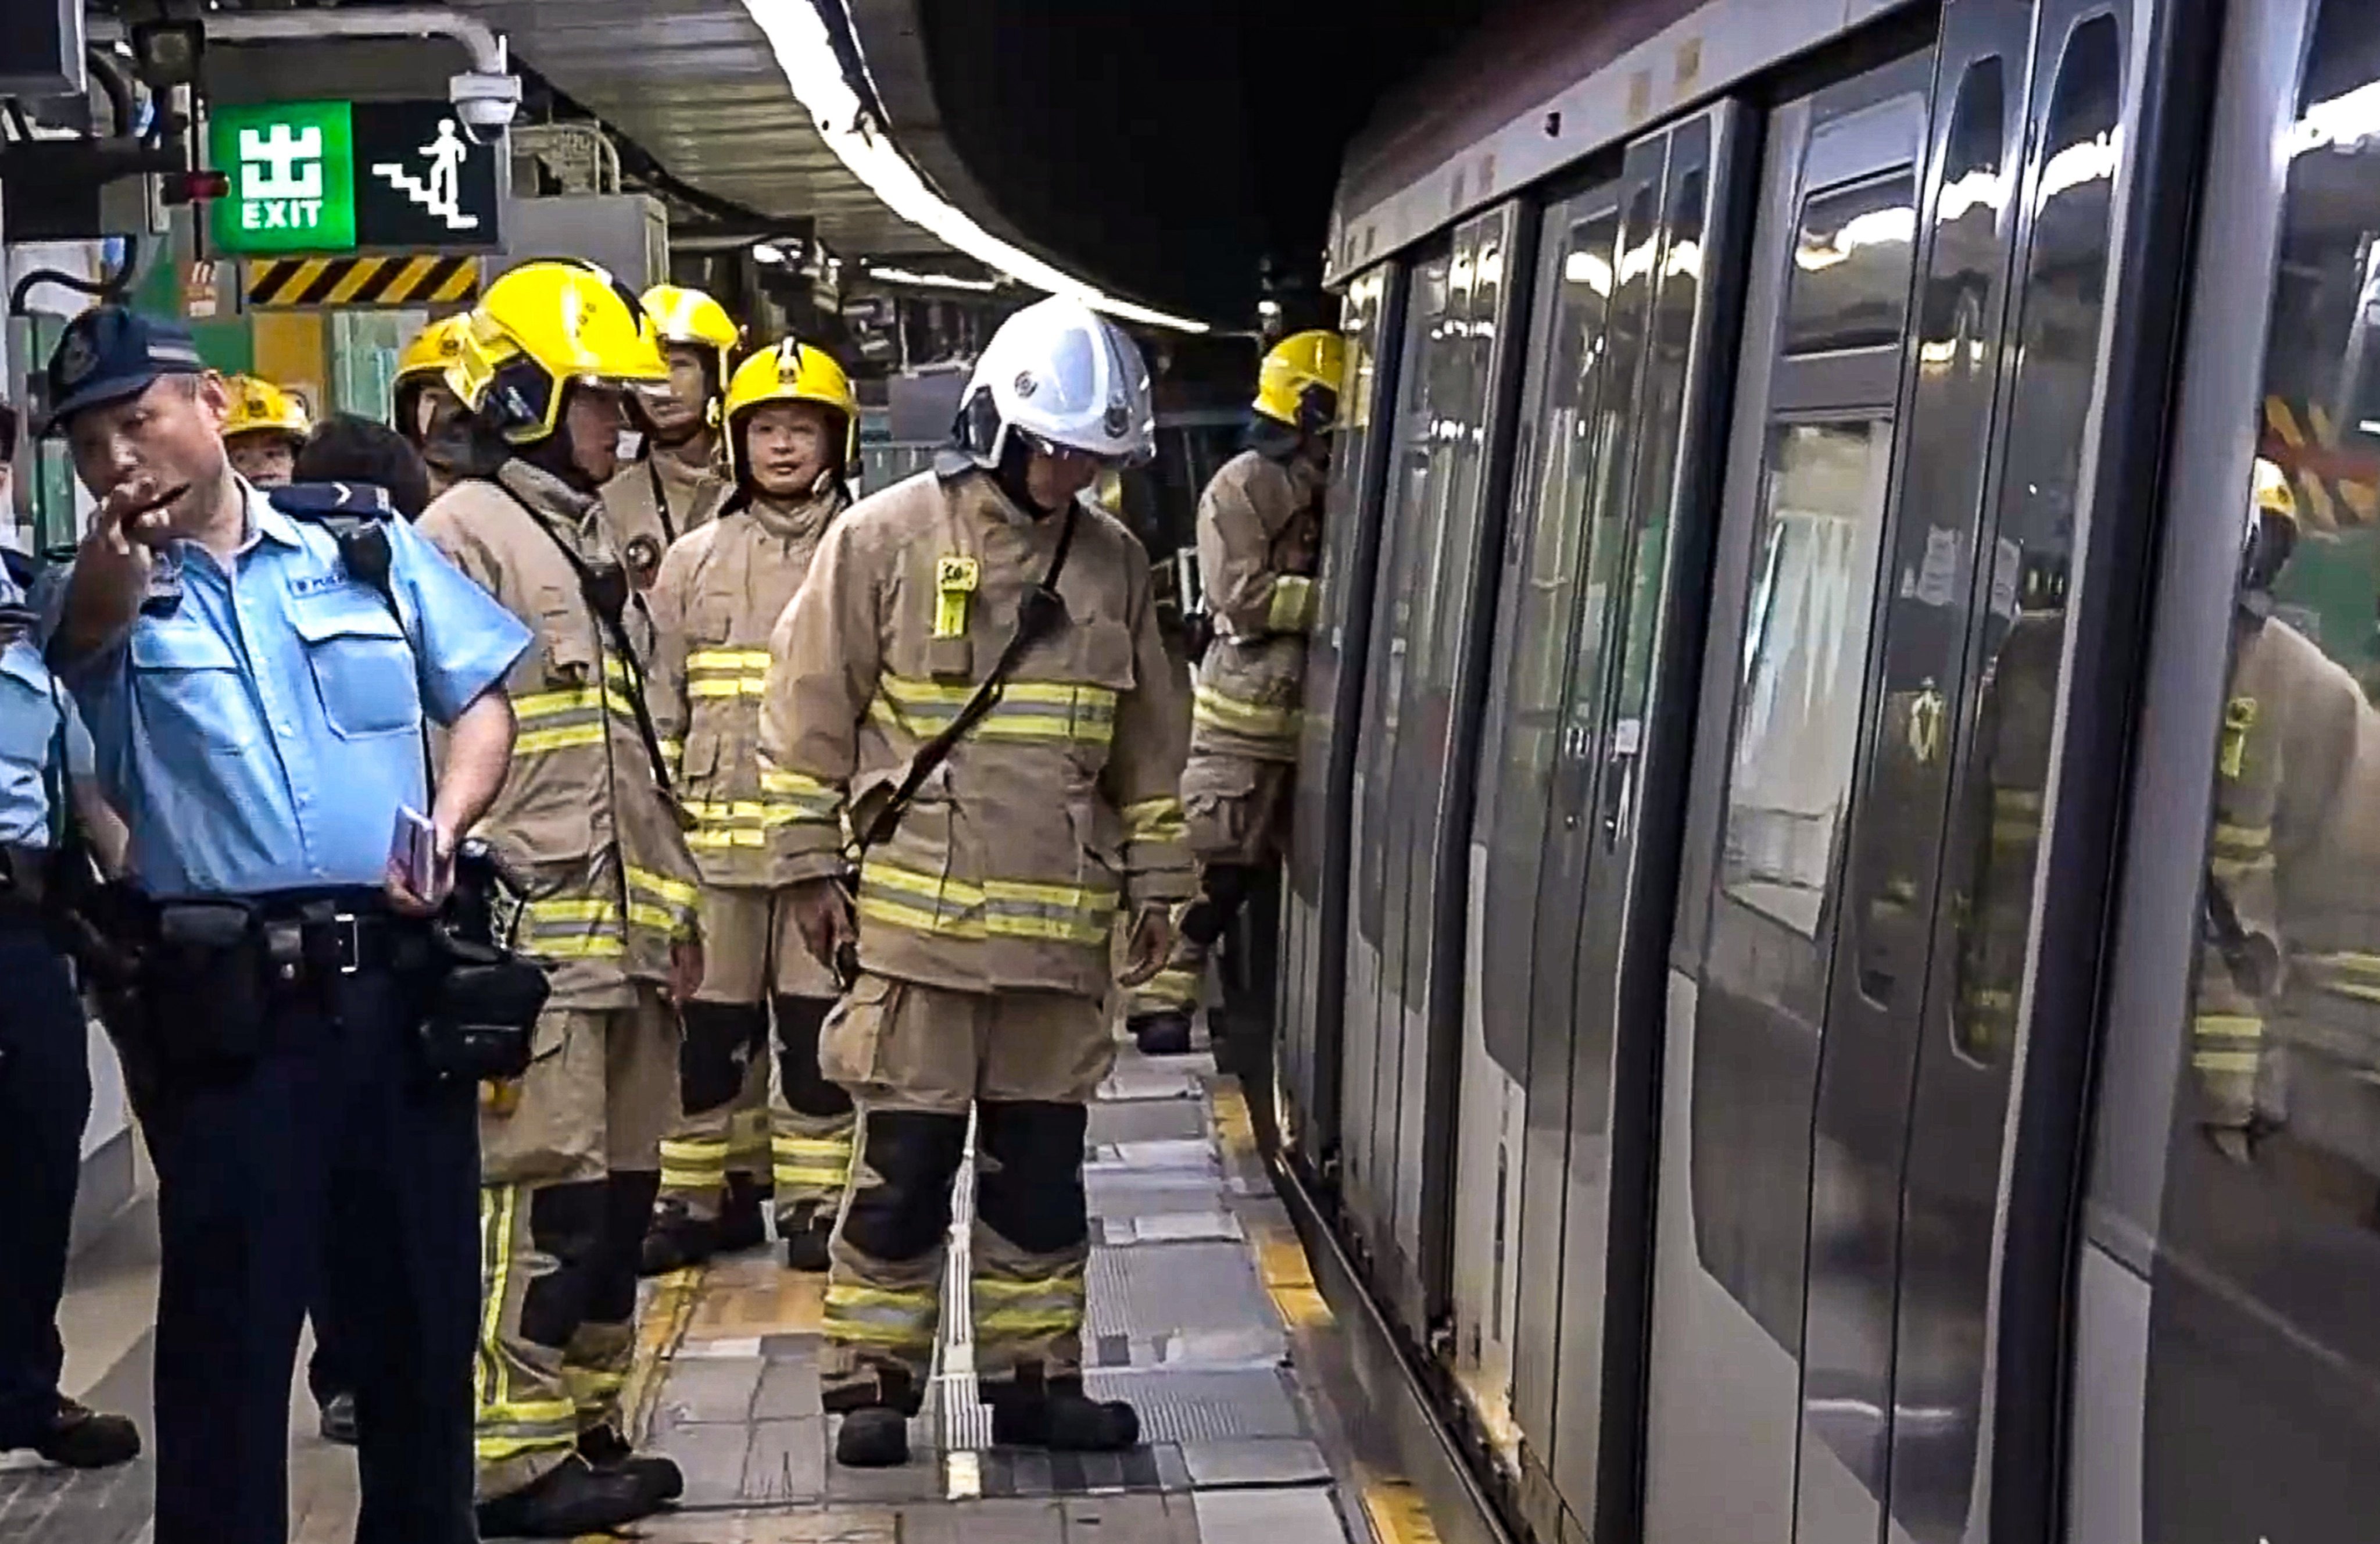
327, 1161
45, 1101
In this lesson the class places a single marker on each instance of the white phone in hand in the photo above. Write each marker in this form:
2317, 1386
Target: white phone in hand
413, 851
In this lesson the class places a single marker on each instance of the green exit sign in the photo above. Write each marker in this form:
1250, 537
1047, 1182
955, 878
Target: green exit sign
293, 178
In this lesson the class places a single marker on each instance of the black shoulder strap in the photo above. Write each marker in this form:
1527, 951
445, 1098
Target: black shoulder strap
660, 496
608, 603
1040, 614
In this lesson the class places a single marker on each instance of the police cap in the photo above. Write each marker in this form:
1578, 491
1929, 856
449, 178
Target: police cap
110, 353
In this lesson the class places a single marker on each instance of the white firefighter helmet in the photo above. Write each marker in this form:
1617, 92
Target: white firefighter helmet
1060, 373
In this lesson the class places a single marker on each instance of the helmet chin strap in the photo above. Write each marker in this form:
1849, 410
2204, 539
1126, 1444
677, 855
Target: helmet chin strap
1016, 457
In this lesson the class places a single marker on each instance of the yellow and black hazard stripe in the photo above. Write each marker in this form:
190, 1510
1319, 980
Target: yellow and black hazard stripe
428, 279
2336, 485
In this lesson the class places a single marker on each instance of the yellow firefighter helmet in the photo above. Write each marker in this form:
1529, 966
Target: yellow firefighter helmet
2274, 495
791, 370
1298, 383
258, 406
431, 349
541, 327
690, 319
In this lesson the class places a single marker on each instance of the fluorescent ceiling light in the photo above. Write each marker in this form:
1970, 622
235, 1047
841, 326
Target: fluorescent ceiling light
939, 281
763, 252
806, 54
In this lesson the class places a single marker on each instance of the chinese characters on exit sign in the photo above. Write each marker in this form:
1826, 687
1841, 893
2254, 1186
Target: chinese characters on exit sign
337, 177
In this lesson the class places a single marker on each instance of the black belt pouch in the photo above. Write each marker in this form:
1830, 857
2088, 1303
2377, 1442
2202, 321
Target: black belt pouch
205, 980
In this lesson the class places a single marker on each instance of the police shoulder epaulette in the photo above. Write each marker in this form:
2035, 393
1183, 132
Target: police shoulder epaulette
328, 502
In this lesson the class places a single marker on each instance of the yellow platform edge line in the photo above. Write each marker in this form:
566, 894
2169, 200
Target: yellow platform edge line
659, 1333
1396, 1512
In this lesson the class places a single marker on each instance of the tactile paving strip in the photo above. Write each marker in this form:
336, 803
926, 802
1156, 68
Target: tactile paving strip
1192, 1406
1179, 1287
1152, 1120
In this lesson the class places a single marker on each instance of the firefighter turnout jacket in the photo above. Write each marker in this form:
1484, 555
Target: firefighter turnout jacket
581, 816
715, 603
1259, 528
650, 503
1008, 868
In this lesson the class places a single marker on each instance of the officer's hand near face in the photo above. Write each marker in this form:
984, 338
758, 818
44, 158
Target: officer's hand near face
822, 912
1152, 941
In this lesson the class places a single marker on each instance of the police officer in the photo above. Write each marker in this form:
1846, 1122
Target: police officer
257, 714
675, 487
571, 1151
426, 409
1259, 532
263, 431
993, 875
348, 447
44, 1076
792, 428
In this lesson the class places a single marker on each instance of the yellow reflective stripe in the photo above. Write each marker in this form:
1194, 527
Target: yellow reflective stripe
1013, 908
2234, 1063
673, 751
747, 686
2240, 867
2227, 1027
1026, 711
1292, 595
545, 704
1048, 911
1068, 1286
1178, 987
538, 742
875, 1316
728, 660
2243, 838
822, 1161
1217, 711
2017, 799
1157, 819
572, 927
504, 1426
2019, 832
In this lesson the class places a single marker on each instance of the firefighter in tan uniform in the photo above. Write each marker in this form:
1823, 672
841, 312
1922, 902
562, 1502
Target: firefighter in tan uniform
427, 411
1259, 534
674, 486
2286, 1031
263, 431
570, 1153
985, 909
792, 429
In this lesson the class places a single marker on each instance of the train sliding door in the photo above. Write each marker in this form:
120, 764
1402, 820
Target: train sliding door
1315, 901
2229, 1378
1925, 809
1399, 1051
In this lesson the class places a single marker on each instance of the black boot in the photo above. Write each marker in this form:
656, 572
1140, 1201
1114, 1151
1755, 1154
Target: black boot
567, 1501
807, 1230
873, 1437
1058, 1415
1164, 1033
77, 1438
677, 1238
608, 1452
741, 1224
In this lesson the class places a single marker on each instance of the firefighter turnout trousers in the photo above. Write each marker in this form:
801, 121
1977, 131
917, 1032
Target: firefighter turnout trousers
757, 970
567, 1160
918, 1057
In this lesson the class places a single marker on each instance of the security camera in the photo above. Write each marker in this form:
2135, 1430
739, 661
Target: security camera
484, 101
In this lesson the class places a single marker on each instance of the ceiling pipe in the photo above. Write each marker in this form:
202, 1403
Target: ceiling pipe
485, 44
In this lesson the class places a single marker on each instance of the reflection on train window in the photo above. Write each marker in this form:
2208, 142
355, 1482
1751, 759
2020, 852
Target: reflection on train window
2286, 1014
1850, 266
1974, 193
2029, 547
1804, 654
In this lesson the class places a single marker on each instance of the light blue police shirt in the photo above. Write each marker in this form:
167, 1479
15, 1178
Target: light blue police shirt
263, 737
30, 706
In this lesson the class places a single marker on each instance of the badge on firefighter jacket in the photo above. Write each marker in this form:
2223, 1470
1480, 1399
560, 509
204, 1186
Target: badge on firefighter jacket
954, 580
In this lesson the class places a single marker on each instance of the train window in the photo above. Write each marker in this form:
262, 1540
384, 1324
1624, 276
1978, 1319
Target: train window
2283, 1094
1804, 654
2029, 548
1850, 286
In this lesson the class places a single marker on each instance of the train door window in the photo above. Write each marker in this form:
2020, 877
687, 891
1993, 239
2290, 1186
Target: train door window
1850, 278
2263, 1351
1804, 655
2021, 618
